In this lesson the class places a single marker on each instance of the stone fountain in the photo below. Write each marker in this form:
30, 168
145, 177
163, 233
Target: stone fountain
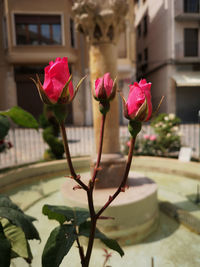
136, 210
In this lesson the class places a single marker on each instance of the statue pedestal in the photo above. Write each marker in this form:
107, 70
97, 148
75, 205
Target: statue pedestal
112, 170
135, 211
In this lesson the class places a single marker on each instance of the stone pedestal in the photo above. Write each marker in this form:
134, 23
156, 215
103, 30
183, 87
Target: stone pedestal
135, 211
112, 171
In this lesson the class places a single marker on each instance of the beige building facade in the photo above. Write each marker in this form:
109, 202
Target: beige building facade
35, 32
168, 53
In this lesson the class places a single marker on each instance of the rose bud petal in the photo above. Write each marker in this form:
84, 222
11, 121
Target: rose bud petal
105, 88
138, 106
57, 87
152, 137
56, 79
146, 136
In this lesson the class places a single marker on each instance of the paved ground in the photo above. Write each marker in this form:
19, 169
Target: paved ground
171, 245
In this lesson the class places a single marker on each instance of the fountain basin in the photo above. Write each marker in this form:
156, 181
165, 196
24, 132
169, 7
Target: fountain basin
135, 211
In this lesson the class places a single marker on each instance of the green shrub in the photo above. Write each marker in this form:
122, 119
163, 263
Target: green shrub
51, 135
164, 142
166, 126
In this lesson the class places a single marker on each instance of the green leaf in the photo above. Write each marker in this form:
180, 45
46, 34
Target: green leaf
5, 201
21, 117
84, 229
19, 244
63, 213
4, 126
5, 249
58, 245
16, 216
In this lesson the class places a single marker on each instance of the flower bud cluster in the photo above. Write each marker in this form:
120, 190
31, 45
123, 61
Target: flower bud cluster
57, 91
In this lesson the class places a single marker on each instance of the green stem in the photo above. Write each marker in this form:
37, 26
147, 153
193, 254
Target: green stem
90, 196
69, 161
103, 118
81, 251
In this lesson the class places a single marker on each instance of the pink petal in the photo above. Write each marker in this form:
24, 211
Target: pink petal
108, 83
46, 77
143, 81
56, 76
135, 99
98, 85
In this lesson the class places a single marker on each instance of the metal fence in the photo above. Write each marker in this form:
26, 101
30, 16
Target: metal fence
28, 144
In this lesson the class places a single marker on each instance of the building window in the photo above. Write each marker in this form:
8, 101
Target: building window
190, 42
38, 29
145, 21
191, 6
139, 30
72, 33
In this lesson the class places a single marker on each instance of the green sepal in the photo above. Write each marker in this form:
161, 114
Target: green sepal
45, 99
77, 87
104, 107
142, 112
65, 95
114, 89
134, 127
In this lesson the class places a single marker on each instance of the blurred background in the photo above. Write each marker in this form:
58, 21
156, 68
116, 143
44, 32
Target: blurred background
160, 42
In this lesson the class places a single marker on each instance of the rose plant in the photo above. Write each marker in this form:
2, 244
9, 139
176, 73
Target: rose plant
57, 92
166, 126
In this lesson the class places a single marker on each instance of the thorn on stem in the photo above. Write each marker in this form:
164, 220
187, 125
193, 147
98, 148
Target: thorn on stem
77, 187
69, 176
99, 168
78, 177
123, 189
110, 198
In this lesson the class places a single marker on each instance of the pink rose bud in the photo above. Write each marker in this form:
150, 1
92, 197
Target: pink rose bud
56, 78
57, 87
128, 143
138, 106
146, 136
105, 88
153, 137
